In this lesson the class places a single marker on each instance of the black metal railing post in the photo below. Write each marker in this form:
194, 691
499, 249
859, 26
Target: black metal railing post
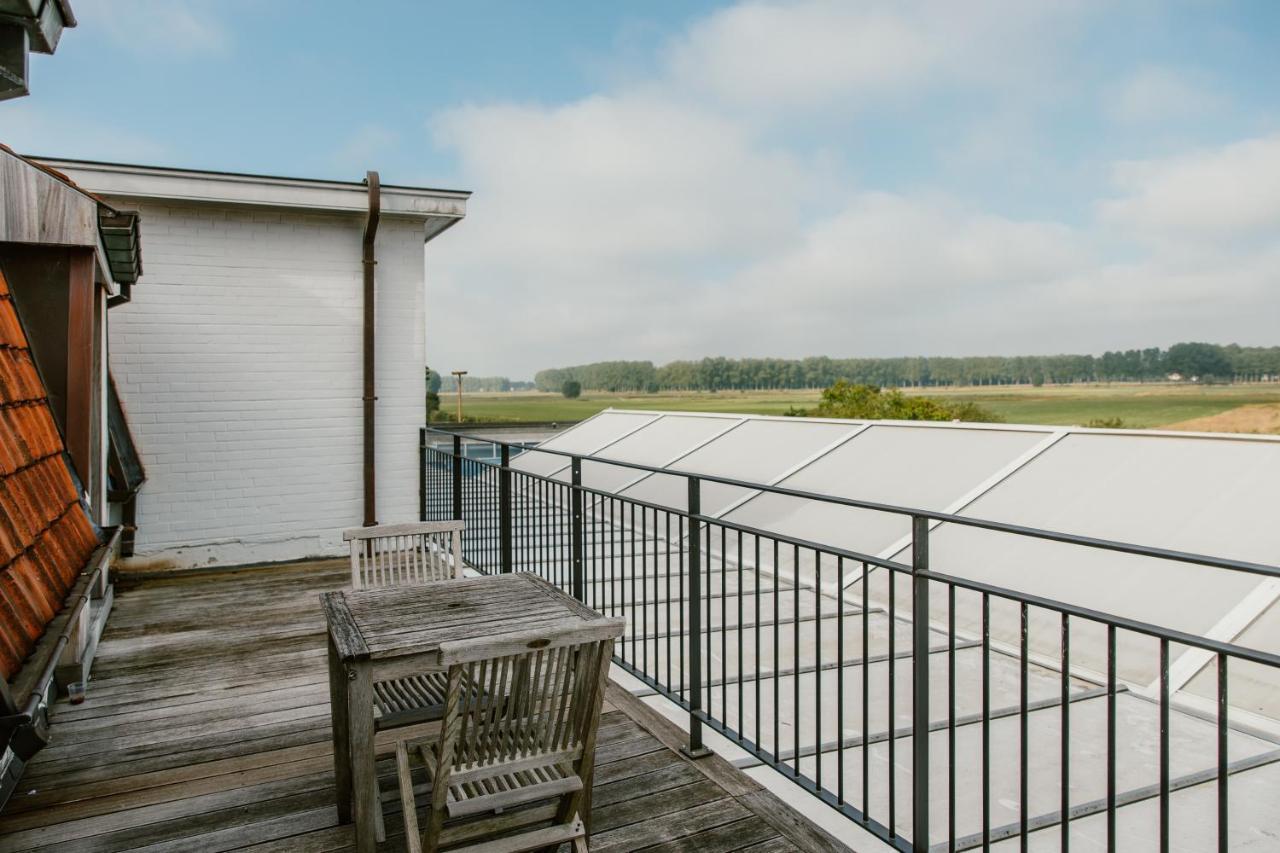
695, 747
504, 510
920, 684
457, 477
579, 582
422, 474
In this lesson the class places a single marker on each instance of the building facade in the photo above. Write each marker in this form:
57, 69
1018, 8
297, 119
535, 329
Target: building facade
239, 360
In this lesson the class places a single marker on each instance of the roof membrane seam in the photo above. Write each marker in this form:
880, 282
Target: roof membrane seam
673, 460
1227, 629
611, 441
795, 469
983, 488
986, 427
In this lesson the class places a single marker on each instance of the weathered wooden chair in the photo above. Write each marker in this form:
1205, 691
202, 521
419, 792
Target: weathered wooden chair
402, 554
519, 755
387, 555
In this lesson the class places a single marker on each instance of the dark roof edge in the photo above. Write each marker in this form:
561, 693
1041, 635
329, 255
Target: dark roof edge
217, 172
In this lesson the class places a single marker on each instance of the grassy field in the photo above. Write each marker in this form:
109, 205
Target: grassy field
526, 406
1139, 406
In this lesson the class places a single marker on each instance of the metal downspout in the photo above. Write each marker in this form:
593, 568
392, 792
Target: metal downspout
370, 336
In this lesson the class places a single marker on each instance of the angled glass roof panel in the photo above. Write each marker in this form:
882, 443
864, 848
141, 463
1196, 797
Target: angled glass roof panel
656, 445
1214, 496
924, 467
758, 451
1253, 686
587, 437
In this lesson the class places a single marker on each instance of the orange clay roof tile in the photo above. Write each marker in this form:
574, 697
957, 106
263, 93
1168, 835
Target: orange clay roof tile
45, 536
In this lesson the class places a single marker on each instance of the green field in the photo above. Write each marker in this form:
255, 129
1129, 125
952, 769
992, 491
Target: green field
528, 406
1143, 406
1137, 405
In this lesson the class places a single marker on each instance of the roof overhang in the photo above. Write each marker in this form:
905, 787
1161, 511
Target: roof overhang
436, 209
42, 206
28, 25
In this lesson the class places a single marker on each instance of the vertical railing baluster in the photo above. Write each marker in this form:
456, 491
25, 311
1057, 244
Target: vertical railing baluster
777, 688
457, 478
920, 684
695, 749
1024, 751
422, 474
840, 738
986, 721
951, 717
1065, 843
1222, 753
504, 509
866, 697
817, 669
576, 529
1111, 738
891, 701
795, 662
1164, 745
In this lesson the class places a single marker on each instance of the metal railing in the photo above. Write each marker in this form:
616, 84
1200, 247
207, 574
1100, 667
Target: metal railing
772, 641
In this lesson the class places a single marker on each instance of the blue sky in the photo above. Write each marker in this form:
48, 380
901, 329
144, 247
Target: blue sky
668, 180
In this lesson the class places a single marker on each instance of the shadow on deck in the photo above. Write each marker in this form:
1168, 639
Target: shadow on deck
207, 728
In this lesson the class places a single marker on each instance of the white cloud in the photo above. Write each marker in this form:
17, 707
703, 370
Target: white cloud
677, 218
821, 52
1223, 193
172, 27
1160, 94
32, 128
363, 146
633, 179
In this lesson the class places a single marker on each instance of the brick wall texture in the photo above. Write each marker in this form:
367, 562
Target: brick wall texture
239, 367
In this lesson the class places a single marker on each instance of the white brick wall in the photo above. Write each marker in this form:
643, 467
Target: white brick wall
238, 364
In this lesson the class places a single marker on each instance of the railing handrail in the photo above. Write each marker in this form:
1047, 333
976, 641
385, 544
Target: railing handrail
1020, 596
582, 508
909, 512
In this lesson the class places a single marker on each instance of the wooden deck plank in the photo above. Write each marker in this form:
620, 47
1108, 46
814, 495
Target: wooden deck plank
207, 727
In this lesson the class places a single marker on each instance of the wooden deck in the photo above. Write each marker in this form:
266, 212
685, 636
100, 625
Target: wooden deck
207, 728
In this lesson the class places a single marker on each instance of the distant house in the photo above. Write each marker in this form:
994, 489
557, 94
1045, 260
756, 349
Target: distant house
240, 361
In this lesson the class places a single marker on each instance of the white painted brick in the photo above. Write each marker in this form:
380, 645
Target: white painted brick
238, 363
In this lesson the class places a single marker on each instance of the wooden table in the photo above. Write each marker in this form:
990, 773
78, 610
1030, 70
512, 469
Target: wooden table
380, 634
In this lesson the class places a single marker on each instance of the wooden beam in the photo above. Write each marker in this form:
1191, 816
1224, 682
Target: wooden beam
81, 352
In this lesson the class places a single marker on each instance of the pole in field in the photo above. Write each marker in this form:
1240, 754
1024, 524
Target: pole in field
458, 374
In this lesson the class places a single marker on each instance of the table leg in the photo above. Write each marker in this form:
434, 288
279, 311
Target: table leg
341, 744
363, 772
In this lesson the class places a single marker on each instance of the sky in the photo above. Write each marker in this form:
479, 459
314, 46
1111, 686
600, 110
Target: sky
667, 180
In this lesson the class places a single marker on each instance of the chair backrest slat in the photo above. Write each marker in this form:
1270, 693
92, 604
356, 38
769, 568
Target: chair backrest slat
398, 554
539, 696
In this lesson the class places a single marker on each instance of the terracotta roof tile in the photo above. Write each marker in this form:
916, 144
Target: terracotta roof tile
45, 536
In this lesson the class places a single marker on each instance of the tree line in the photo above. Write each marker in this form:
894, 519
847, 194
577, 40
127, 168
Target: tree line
449, 384
1192, 361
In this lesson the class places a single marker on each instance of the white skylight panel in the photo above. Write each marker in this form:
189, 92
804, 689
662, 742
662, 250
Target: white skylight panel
1208, 496
758, 451
655, 445
588, 437
925, 467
